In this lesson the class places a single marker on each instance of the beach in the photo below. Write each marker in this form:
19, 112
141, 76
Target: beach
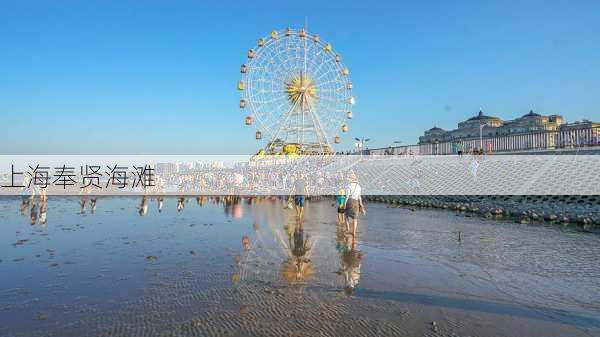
231, 267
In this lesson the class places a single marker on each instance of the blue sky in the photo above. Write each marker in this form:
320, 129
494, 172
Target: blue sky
158, 77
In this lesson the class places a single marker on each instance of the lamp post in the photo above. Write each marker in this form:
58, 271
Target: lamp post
361, 143
397, 142
481, 136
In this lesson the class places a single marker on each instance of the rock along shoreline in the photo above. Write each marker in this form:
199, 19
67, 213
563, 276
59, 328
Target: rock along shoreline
582, 211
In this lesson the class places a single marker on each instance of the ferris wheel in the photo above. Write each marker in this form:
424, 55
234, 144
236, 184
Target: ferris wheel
296, 91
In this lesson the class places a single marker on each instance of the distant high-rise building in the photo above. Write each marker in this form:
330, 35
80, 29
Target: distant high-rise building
165, 168
185, 167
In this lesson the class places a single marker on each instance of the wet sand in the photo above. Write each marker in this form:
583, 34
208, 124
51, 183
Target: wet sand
241, 269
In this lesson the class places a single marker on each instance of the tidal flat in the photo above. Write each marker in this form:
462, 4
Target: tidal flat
221, 266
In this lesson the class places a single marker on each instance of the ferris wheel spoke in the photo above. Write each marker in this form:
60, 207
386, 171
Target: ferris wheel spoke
271, 101
329, 72
325, 61
267, 107
334, 90
334, 81
270, 125
325, 98
318, 127
287, 117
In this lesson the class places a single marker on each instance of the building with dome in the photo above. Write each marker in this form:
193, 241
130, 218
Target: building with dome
531, 131
482, 125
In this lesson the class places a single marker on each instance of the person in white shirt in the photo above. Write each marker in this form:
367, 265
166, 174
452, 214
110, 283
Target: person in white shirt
354, 205
474, 167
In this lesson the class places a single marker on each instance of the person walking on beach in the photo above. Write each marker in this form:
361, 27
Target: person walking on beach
300, 191
341, 202
354, 205
474, 166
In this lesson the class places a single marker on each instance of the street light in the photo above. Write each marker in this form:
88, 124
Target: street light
481, 135
361, 143
397, 142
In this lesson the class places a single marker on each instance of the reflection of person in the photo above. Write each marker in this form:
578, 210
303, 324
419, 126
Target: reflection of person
143, 208
27, 195
350, 261
300, 191
180, 204
43, 210
246, 242
354, 204
300, 244
298, 266
93, 200
82, 202
341, 202
160, 201
25, 202
34, 213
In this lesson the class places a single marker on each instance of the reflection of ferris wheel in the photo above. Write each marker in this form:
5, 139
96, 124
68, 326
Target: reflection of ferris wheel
296, 90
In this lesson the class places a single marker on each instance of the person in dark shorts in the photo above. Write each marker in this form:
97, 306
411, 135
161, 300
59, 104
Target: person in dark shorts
341, 202
300, 191
354, 205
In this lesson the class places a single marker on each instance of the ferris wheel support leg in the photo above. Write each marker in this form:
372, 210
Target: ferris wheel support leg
319, 127
287, 117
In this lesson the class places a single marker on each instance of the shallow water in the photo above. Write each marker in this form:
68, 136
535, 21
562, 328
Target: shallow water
220, 267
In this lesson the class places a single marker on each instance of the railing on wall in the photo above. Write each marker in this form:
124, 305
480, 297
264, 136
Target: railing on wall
531, 141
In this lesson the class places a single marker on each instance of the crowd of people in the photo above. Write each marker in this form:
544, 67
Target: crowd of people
256, 180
